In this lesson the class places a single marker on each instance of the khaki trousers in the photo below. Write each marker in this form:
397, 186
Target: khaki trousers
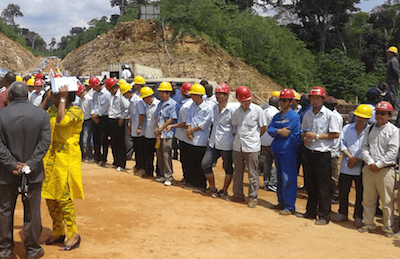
379, 184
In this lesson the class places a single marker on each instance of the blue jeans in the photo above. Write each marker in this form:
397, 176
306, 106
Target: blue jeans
211, 156
85, 140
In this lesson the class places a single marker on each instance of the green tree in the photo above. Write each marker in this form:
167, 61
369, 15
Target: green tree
344, 77
10, 12
259, 41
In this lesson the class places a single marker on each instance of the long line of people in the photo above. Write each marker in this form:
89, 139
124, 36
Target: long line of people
307, 131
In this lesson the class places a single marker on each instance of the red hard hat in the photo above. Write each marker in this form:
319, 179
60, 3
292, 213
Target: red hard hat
57, 75
38, 82
223, 88
110, 82
39, 75
286, 94
81, 88
94, 81
243, 93
185, 88
317, 91
384, 106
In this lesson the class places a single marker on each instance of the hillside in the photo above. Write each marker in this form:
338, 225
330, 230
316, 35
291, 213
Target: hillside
13, 56
142, 42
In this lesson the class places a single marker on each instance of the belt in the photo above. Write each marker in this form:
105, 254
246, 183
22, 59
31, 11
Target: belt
316, 151
388, 166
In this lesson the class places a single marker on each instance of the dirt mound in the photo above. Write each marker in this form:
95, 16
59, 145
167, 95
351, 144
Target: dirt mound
13, 56
141, 41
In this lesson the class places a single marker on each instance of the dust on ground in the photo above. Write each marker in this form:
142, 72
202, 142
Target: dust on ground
125, 216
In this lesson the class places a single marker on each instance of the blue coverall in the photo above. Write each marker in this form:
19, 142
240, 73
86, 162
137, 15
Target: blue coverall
285, 154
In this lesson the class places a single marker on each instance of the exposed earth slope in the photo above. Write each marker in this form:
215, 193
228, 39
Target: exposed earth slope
13, 56
141, 41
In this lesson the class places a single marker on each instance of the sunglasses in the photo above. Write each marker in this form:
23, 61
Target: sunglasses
381, 113
284, 100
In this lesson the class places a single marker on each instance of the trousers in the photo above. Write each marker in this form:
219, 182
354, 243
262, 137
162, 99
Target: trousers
378, 184
211, 156
317, 176
85, 140
286, 170
32, 219
100, 139
251, 160
164, 158
118, 148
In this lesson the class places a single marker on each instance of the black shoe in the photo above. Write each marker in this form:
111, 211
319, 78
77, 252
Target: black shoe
38, 255
237, 199
321, 222
278, 207
378, 212
69, 248
305, 216
60, 239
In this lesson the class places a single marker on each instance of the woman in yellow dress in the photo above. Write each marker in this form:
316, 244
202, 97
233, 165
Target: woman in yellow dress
62, 164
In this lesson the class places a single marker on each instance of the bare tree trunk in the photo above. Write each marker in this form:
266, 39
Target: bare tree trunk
342, 42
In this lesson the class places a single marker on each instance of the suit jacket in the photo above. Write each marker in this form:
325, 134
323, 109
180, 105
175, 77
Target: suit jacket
25, 136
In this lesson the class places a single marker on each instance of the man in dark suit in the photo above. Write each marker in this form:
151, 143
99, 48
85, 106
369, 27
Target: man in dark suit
25, 136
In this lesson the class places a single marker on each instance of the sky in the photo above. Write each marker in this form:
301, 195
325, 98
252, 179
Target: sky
55, 19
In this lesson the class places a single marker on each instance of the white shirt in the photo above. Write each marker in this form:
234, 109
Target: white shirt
116, 108
151, 119
76, 102
125, 106
381, 145
323, 122
126, 73
212, 100
180, 133
136, 108
222, 132
36, 98
335, 152
85, 104
200, 115
247, 126
267, 139
350, 141
101, 102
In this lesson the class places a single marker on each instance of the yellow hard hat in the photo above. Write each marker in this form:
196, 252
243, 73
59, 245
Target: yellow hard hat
139, 80
276, 93
18, 78
363, 111
393, 49
125, 87
121, 81
165, 86
296, 96
197, 89
31, 82
86, 82
146, 91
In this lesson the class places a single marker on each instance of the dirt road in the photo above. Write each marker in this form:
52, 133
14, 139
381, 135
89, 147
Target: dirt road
125, 216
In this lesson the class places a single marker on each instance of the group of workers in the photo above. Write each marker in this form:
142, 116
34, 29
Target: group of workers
292, 130
289, 132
